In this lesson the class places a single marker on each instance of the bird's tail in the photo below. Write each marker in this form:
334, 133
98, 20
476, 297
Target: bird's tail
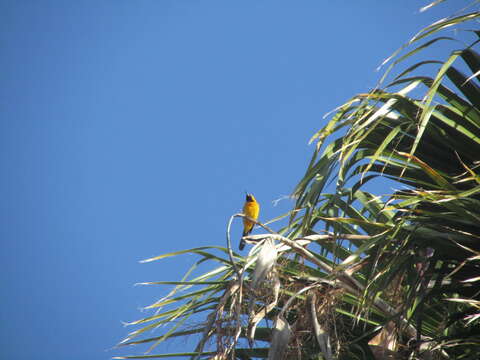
242, 242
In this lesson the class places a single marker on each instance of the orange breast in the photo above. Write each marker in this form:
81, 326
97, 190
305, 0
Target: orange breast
251, 209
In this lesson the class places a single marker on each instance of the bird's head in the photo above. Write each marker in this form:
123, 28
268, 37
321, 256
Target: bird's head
250, 198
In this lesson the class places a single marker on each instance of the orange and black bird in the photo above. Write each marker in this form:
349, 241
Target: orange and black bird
251, 209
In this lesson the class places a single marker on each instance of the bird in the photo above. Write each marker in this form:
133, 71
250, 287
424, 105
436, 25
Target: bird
251, 208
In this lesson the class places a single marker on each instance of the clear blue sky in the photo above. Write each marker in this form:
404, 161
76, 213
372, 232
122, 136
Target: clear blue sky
132, 128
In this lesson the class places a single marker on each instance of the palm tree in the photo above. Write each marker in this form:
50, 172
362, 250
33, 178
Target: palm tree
355, 274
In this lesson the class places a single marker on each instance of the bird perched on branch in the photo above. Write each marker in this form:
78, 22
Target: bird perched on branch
250, 209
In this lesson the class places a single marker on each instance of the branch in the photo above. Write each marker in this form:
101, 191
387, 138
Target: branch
229, 246
345, 280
